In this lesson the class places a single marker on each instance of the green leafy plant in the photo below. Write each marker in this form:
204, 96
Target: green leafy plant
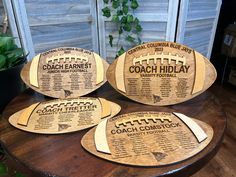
10, 54
128, 26
5, 171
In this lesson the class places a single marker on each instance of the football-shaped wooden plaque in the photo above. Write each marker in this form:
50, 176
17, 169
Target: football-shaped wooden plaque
148, 138
63, 115
65, 72
161, 73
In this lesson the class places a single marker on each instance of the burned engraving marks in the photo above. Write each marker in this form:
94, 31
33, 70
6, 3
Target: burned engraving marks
147, 138
161, 73
63, 115
65, 72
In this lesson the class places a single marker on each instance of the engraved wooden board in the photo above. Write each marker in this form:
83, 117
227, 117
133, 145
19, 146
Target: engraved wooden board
161, 73
65, 72
64, 116
148, 138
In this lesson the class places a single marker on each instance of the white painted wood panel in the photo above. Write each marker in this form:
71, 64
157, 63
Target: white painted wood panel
50, 23
197, 24
1, 12
11, 21
19, 25
46, 24
66, 23
157, 17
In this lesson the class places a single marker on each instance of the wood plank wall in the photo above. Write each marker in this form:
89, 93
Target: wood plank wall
79, 23
197, 24
156, 19
1, 15
65, 23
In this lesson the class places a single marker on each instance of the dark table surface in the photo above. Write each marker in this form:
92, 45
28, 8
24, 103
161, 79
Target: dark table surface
63, 155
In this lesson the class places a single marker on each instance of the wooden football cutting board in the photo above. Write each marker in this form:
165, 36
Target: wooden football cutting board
64, 116
65, 72
161, 73
148, 138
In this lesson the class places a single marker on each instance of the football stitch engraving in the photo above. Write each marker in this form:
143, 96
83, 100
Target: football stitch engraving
148, 138
140, 119
65, 72
161, 73
160, 56
74, 57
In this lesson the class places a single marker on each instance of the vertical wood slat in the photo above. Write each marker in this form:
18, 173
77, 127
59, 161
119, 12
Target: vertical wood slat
172, 20
182, 21
2, 17
11, 20
68, 25
101, 32
93, 11
22, 26
213, 32
200, 16
166, 17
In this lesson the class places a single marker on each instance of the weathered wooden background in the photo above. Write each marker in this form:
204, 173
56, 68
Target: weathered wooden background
1, 16
46, 24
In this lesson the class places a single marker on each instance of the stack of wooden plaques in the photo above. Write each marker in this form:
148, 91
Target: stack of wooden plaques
157, 73
64, 115
148, 138
64, 73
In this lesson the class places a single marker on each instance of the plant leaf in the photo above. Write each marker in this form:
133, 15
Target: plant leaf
115, 4
125, 9
14, 46
124, 2
6, 43
127, 27
130, 38
2, 62
17, 52
138, 28
136, 21
115, 18
124, 19
130, 18
3, 169
14, 56
106, 1
111, 40
134, 4
119, 12
106, 12
18, 61
18, 174
121, 51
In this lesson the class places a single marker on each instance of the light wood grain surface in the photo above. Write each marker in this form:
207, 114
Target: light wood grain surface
65, 72
63, 155
149, 139
63, 115
161, 73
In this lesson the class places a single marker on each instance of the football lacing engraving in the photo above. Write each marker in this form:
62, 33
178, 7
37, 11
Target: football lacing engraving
140, 119
160, 56
69, 103
57, 59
